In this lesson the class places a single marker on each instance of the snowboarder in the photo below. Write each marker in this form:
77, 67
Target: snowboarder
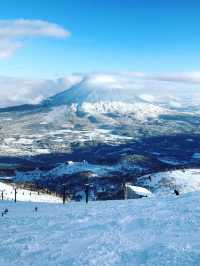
36, 208
150, 178
176, 192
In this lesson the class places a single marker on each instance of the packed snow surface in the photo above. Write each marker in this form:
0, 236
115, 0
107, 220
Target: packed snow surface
149, 232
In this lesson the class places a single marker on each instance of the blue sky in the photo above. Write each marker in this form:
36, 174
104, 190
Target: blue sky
106, 35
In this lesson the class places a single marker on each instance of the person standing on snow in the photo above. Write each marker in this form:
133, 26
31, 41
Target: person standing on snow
86, 193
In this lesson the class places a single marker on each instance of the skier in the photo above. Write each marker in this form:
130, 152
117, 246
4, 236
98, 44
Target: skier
36, 208
150, 178
176, 192
5, 211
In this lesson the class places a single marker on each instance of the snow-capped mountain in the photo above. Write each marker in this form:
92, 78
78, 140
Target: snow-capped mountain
98, 108
102, 94
109, 93
102, 108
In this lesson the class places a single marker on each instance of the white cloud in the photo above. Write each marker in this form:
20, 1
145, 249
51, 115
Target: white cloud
13, 32
16, 91
184, 77
7, 48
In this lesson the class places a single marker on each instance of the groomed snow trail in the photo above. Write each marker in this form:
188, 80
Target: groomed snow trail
149, 232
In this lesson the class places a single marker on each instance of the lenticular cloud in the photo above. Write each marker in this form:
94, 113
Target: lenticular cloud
13, 31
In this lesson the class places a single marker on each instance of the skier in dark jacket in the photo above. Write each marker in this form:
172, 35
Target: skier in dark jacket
86, 193
176, 192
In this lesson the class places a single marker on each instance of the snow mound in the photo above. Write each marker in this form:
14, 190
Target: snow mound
148, 232
184, 181
140, 191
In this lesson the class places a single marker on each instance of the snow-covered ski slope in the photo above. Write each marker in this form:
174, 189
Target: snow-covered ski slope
184, 180
149, 232
26, 195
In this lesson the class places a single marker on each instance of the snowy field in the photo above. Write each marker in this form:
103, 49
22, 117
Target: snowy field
150, 232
